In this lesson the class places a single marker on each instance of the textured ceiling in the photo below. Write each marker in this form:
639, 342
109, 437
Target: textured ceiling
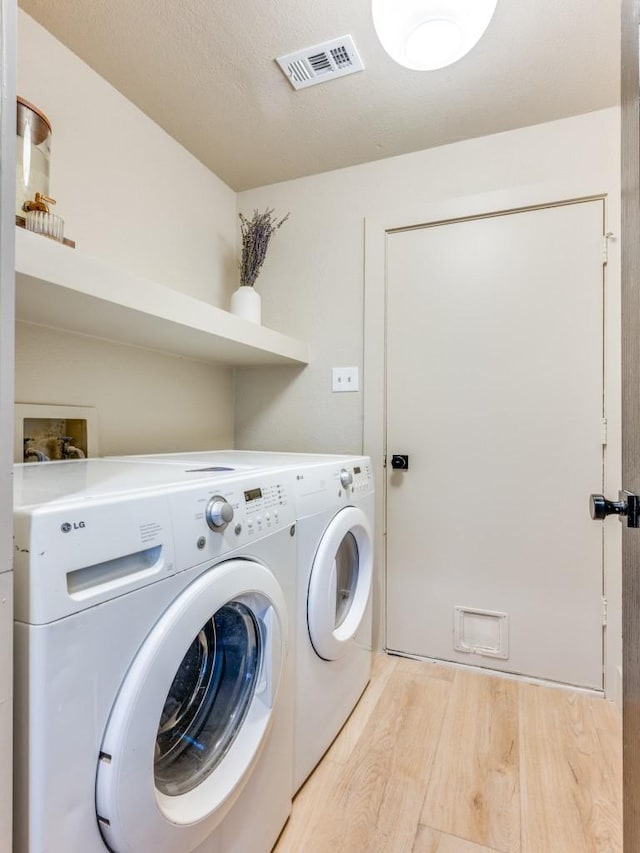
204, 70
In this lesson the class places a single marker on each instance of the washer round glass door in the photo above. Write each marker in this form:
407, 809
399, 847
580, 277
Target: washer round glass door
208, 700
340, 583
193, 711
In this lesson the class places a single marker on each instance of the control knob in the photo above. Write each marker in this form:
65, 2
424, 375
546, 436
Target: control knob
346, 478
219, 513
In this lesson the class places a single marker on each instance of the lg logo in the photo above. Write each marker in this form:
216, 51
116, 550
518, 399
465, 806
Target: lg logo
77, 525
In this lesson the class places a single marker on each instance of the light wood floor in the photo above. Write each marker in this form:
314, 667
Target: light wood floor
442, 760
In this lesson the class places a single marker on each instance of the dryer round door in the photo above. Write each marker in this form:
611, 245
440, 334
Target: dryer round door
193, 711
340, 583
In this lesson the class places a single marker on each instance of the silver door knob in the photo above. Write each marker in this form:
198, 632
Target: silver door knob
218, 513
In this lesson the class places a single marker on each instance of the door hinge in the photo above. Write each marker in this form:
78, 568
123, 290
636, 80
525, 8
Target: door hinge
605, 246
604, 611
384, 461
603, 431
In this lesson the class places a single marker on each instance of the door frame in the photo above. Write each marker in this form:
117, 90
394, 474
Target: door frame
8, 38
505, 201
630, 178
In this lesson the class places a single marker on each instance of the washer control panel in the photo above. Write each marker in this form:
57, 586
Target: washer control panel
361, 481
216, 517
264, 505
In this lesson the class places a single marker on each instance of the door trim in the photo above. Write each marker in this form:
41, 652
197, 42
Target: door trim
631, 418
470, 207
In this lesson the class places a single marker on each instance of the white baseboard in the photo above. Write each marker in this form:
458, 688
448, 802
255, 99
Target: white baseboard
499, 674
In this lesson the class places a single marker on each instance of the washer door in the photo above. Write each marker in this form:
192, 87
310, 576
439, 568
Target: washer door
340, 583
193, 711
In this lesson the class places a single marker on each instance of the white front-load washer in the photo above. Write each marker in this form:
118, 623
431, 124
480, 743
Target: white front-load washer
334, 500
153, 683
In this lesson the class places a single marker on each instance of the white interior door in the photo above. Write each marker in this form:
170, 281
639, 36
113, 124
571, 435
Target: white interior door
495, 391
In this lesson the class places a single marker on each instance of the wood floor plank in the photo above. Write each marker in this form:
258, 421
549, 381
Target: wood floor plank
309, 809
375, 804
461, 738
473, 791
381, 668
431, 841
571, 790
310, 802
433, 670
421, 708
607, 722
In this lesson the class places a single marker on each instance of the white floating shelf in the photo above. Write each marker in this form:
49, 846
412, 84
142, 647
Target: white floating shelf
60, 287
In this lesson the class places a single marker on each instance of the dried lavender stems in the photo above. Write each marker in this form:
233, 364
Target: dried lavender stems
256, 234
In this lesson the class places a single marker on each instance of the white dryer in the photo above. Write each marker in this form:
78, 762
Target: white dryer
153, 684
334, 500
335, 512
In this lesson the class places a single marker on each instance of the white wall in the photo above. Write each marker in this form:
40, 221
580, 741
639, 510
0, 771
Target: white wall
312, 284
313, 281
131, 195
147, 402
126, 190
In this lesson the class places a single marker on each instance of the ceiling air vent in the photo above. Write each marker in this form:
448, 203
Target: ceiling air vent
326, 61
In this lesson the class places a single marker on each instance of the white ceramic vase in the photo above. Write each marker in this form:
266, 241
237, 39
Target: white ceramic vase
246, 303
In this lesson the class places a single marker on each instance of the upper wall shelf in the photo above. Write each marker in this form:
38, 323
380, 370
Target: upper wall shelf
59, 287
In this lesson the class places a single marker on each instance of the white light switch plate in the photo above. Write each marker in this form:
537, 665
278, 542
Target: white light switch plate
344, 379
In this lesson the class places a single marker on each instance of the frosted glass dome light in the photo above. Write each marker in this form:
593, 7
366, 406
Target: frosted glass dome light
429, 34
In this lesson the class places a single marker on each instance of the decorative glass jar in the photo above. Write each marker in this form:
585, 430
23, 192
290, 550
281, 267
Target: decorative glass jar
33, 153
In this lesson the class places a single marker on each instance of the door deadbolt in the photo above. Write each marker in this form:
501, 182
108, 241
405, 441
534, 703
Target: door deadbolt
400, 461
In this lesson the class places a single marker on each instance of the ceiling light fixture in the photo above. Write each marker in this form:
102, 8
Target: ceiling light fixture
429, 34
